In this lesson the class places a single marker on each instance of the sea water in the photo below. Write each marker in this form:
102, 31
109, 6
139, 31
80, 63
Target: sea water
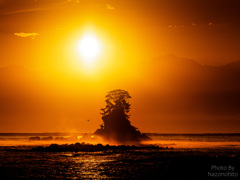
192, 157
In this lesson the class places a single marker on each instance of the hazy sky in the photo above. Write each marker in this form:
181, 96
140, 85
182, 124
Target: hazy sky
46, 87
205, 30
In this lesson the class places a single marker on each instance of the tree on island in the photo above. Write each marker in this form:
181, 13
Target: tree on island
116, 125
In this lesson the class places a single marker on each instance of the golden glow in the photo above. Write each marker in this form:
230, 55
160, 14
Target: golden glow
68, 55
88, 52
89, 48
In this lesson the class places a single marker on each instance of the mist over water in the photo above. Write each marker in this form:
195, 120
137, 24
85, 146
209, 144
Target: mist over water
162, 140
189, 141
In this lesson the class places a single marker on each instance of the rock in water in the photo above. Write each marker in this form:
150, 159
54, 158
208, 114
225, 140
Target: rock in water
116, 125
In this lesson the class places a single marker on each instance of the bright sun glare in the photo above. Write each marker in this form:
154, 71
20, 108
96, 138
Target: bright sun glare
89, 48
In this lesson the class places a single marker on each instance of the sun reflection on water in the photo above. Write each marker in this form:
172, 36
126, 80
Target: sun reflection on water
89, 165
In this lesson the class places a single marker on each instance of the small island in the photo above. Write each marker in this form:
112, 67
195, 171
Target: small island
116, 126
116, 129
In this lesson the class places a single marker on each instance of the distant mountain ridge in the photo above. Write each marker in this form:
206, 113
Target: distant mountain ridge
168, 59
232, 65
171, 58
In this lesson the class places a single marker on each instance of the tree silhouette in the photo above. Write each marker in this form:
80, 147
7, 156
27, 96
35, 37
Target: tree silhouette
116, 125
117, 100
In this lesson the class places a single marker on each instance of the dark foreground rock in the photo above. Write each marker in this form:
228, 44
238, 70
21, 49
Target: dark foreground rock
89, 147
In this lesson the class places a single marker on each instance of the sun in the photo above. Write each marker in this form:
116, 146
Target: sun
89, 48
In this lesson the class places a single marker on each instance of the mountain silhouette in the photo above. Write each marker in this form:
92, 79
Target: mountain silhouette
233, 65
190, 74
183, 85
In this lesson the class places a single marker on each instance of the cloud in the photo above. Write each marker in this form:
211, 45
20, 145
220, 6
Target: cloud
176, 26
110, 7
26, 10
193, 24
210, 23
27, 35
26, 6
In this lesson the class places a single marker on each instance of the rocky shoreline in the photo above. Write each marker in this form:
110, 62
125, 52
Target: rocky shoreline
83, 147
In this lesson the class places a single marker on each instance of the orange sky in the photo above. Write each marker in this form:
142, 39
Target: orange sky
46, 87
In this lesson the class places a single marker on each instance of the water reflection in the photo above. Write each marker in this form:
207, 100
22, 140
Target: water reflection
88, 165
131, 164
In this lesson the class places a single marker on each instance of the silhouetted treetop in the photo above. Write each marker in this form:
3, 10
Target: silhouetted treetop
116, 100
